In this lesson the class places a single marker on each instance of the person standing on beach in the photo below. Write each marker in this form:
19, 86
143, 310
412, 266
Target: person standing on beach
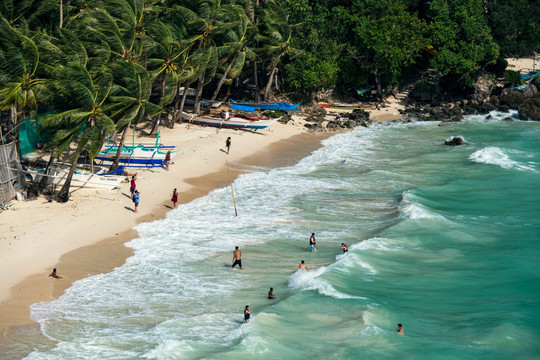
167, 160
174, 198
312, 243
133, 185
53, 274
303, 266
228, 144
247, 313
136, 199
399, 329
237, 258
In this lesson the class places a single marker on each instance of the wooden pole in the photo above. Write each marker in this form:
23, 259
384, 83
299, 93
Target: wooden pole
232, 190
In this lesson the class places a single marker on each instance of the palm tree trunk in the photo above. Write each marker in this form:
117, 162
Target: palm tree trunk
256, 79
269, 84
222, 80
61, 14
200, 86
45, 179
114, 165
177, 104
186, 87
63, 194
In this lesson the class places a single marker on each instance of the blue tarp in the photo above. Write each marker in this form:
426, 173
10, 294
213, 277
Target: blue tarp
243, 107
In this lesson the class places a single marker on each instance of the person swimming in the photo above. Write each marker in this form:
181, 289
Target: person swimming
344, 247
303, 266
399, 329
271, 295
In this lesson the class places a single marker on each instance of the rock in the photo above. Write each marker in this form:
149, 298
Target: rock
482, 88
486, 107
530, 109
455, 141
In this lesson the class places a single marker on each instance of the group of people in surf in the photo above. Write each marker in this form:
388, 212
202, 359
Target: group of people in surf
237, 260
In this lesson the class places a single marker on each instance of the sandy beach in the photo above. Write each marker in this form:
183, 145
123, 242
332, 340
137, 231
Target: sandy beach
85, 236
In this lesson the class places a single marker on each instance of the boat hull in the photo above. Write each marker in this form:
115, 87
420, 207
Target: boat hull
234, 122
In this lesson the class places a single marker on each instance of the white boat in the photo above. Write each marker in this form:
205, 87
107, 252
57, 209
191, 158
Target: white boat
233, 122
83, 176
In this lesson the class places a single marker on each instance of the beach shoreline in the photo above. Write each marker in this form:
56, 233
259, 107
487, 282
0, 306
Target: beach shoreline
97, 251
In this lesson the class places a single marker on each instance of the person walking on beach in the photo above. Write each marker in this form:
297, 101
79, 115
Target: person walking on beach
247, 313
136, 199
303, 266
167, 160
228, 144
271, 295
399, 329
133, 185
237, 258
344, 247
53, 274
312, 243
174, 198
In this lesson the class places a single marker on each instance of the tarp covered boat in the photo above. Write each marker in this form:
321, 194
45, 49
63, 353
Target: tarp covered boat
251, 106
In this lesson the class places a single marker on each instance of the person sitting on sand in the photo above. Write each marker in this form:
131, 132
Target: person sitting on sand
344, 247
399, 329
53, 274
303, 266
247, 313
312, 243
271, 295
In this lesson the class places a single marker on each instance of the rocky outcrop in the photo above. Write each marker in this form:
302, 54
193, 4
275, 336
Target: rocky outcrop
530, 109
454, 141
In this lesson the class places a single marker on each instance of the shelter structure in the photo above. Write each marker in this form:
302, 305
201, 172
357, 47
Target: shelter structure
11, 173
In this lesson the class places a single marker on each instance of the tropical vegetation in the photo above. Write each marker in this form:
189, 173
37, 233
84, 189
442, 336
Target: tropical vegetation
98, 67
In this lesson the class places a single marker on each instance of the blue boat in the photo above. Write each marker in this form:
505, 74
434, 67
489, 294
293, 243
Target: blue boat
251, 106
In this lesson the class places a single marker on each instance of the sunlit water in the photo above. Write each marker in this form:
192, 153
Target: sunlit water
444, 240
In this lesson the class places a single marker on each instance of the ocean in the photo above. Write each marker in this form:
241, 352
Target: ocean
444, 240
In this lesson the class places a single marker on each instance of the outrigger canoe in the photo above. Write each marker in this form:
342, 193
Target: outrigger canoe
234, 122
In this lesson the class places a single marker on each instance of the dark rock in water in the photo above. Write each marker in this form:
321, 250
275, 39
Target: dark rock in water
508, 118
486, 107
455, 141
530, 109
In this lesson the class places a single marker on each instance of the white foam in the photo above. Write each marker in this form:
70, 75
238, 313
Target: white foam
309, 280
500, 157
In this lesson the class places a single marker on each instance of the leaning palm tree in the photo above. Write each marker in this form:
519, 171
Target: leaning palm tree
83, 125
130, 98
237, 45
277, 42
19, 83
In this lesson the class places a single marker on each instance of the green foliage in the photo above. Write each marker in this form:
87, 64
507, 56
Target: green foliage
512, 77
463, 40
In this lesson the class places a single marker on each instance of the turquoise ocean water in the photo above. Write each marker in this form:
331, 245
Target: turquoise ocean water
445, 240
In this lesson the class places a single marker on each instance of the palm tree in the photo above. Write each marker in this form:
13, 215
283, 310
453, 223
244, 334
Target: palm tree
85, 123
130, 98
19, 83
277, 42
236, 47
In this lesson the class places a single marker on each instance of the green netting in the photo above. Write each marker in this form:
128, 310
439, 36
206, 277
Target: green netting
30, 134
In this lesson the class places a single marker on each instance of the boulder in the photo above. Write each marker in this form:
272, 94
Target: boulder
530, 109
454, 141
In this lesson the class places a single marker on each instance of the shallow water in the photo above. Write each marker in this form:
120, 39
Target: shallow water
442, 239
